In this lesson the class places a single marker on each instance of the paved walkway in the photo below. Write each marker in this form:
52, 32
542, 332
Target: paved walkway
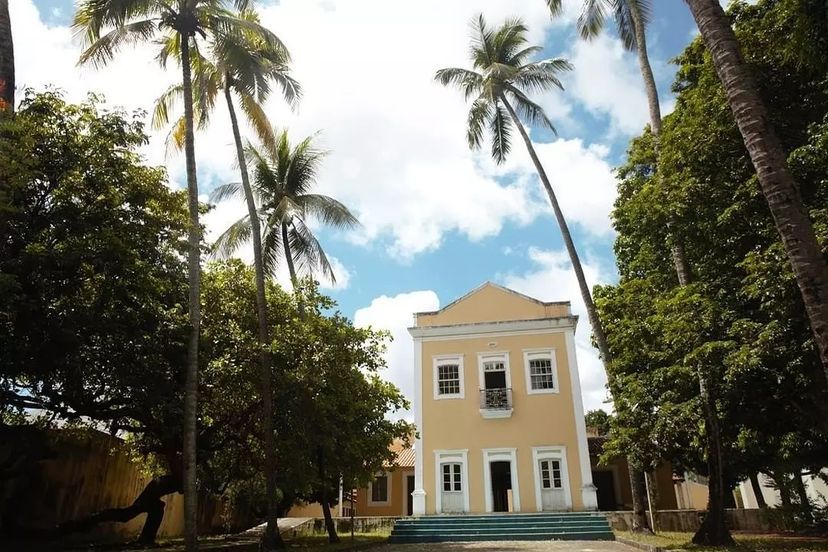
508, 546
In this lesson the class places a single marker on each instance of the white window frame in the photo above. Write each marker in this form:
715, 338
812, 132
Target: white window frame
495, 455
441, 457
551, 452
387, 501
535, 354
442, 360
496, 356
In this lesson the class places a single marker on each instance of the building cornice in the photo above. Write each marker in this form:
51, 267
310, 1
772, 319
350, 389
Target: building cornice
487, 329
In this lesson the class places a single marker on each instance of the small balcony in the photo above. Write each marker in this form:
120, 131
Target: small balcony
496, 402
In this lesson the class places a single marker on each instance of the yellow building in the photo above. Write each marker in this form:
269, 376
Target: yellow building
498, 407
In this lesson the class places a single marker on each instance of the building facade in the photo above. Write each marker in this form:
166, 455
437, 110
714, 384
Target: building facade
498, 407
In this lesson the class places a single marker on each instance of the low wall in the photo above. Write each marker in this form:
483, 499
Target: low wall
316, 526
687, 521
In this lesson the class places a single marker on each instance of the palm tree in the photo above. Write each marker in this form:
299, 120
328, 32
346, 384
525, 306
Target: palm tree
500, 83
243, 64
282, 180
775, 179
106, 26
6, 59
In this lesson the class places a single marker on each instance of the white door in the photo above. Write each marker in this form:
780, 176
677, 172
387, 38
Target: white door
452, 499
551, 483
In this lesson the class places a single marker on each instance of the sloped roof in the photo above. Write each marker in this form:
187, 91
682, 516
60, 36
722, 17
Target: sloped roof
496, 286
405, 455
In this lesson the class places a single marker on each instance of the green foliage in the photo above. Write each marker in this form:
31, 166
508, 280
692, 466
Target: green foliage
742, 322
598, 420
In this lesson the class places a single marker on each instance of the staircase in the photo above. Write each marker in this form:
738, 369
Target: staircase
503, 527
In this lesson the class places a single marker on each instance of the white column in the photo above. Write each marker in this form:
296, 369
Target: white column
588, 494
419, 494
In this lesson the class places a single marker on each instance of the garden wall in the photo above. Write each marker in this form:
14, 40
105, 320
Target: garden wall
689, 520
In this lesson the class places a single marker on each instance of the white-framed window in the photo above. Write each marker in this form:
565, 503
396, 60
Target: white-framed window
380, 491
448, 377
550, 474
541, 371
452, 477
495, 364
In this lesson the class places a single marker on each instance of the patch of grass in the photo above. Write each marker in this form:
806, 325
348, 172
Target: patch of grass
745, 542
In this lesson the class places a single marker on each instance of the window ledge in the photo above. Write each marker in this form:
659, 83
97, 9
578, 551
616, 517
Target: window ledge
491, 414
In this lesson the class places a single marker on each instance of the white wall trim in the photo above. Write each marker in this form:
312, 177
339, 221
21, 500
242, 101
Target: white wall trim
495, 455
419, 502
494, 329
554, 452
588, 490
387, 501
444, 456
542, 353
439, 360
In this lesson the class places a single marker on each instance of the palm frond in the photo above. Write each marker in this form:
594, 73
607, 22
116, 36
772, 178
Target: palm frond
500, 127
307, 252
482, 50
519, 58
528, 110
258, 120
555, 7
625, 22
541, 76
478, 115
271, 245
233, 238
226, 191
509, 39
327, 210
103, 49
165, 105
593, 16
470, 82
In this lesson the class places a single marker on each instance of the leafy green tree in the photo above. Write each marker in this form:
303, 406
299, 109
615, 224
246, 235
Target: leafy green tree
283, 179
768, 156
91, 282
245, 65
746, 328
598, 420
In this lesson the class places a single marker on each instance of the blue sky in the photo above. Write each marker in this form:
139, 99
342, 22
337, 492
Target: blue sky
437, 220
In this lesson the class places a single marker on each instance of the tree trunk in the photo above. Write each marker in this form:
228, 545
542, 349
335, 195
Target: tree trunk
289, 257
271, 538
769, 160
148, 502
6, 59
804, 501
326, 507
639, 498
713, 530
194, 273
646, 70
586, 294
652, 499
757, 491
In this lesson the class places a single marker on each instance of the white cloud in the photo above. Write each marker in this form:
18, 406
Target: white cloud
396, 314
398, 152
552, 279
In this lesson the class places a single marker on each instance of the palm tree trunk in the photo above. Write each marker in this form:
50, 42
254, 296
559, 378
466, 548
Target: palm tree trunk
194, 274
272, 539
639, 522
777, 184
586, 295
6, 59
289, 257
646, 70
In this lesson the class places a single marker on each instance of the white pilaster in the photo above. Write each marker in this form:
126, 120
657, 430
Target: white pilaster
419, 494
588, 494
